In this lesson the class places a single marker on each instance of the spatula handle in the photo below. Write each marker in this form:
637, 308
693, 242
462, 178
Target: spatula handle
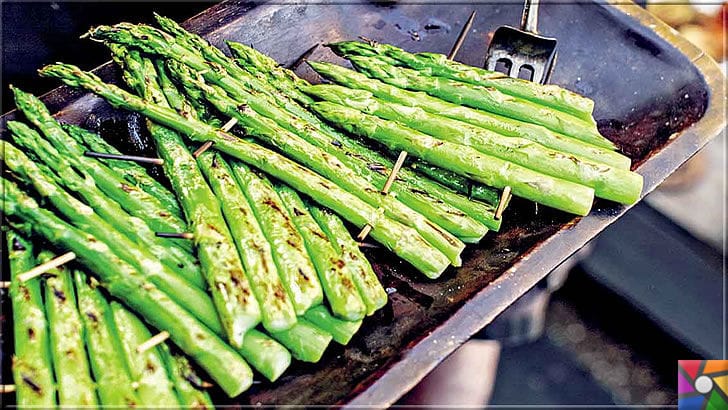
529, 20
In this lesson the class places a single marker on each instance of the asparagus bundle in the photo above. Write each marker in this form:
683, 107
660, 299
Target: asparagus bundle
610, 183
108, 362
393, 235
70, 363
554, 192
132, 172
32, 368
288, 83
147, 368
484, 98
338, 285
124, 282
157, 42
497, 123
433, 64
231, 292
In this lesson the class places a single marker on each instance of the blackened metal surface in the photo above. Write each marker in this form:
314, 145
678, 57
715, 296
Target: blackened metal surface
646, 90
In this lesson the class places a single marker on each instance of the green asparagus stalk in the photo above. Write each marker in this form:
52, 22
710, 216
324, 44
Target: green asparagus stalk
295, 268
341, 330
134, 200
187, 384
108, 363
157, 42
278, 312
83, 217
131, 171
221, 265
269, 131
433, 64
32, 364
124, 282
497, 123
336, 279
557, 193
70, 364
370, 289
452, 212
484, 98
403, 241
154, 387
306, 342
269, 357
610, 183
135, 229
290, 84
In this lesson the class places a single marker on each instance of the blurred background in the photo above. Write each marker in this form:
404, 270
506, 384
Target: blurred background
606, 328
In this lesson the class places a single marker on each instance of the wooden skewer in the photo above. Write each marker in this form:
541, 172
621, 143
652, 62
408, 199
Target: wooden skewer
385, 190
180, 235
229, 125
223, 291
153, 341
7, 388
4, 284
45, 267
461, 36
395, 169
505, 197
306, 54
134, 158
204, 147
368, 245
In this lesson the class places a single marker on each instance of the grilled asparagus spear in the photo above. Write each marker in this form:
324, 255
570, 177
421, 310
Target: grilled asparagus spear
108, 363
403, 241
154, 387
70, 363
557, 193
124, 282
336, 279
433, 64
231, 291
370, 289
32, 364
187, 384
497, 123
484, 98
341, 330
131, 171
306, 342
610, 183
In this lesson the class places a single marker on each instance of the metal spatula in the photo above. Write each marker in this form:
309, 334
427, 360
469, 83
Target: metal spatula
522, 53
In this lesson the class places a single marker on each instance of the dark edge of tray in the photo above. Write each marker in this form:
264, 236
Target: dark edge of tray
535, 264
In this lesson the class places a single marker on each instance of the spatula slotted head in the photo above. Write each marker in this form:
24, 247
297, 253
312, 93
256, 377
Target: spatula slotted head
521, 54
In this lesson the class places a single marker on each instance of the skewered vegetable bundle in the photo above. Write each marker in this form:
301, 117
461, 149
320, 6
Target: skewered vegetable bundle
272, 271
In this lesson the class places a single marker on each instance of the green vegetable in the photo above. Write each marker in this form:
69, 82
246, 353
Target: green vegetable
32, 363
70, 363
269, 357
341, 330
187, 384
306, 341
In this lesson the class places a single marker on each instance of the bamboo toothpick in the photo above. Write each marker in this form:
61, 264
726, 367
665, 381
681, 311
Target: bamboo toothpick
368, 245
7, 388
385, 190
204, 147
180, 235
4, 284
306, 54
505, 197
153, 341
134, 158
45, 267
229, 125
461, 36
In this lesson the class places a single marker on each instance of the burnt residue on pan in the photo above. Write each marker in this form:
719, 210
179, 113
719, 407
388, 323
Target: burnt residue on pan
645, 91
